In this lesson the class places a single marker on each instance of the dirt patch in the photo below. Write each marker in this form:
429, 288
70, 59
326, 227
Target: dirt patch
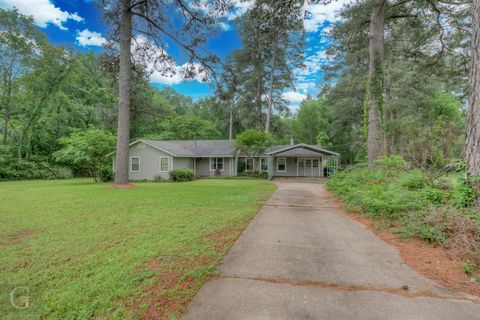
123, 186
175, 288
222, 240
434, 262
19, 236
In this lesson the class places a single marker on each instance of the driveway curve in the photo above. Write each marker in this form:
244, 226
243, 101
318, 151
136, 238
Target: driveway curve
302, 257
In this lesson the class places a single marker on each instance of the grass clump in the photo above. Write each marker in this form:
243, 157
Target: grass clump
430, 209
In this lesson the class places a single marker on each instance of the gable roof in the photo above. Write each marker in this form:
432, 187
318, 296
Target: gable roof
221, 148
302, 147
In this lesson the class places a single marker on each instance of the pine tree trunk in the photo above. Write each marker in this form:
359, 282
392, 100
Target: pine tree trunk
6, 106
230, 129
124, 87
270, 90
472, 144
259, 104
375, 81
388, 137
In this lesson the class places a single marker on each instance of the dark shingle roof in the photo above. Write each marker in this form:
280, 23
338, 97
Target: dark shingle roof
195, 148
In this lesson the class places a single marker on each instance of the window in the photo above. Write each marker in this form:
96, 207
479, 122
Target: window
164, 164
281, 165
135, 164
315, 163
216, 164
263, 164
249, 164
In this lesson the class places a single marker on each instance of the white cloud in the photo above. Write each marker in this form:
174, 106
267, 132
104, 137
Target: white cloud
294, 97
239, 8
162, 67
43, 12
317, 14
90, 38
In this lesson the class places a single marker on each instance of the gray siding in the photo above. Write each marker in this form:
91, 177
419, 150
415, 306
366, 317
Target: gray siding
149, 162
291, 168
182, 163
203, 167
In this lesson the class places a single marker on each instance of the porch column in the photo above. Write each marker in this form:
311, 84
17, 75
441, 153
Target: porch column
270, 167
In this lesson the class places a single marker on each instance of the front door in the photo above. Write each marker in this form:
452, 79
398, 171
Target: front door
308, 168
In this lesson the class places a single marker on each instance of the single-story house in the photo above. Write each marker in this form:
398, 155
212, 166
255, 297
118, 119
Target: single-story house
150, 159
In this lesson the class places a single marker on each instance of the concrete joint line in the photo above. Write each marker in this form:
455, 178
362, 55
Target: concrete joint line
396, 291
314, 206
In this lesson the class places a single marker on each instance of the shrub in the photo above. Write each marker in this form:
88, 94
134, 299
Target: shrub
182, 175
448, 226
255, 174
391, 163
413, 180
464, 195
106, 173
33, 168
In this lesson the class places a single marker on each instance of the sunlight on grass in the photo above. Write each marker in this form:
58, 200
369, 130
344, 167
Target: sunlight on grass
82, 248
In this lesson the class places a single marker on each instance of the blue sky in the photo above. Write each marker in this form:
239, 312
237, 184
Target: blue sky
78, 24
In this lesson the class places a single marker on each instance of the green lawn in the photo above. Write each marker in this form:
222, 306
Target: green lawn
86, 250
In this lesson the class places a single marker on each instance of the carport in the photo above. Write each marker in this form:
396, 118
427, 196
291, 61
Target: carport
302, 160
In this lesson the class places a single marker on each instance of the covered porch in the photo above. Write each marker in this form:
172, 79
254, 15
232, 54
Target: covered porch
302, 160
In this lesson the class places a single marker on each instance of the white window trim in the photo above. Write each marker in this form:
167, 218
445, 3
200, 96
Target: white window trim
253, 164
210, 163
139, 163
169, 163
283, 171
261, 161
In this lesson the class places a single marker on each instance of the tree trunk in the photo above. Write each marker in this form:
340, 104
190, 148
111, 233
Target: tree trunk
259, 104
270, 90
124, 87
6, 106
230, 129
388, 137
374, 98
472, 144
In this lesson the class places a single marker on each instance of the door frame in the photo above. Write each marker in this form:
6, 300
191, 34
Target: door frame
319, 168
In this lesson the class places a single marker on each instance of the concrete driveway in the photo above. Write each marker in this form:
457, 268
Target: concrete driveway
302, 257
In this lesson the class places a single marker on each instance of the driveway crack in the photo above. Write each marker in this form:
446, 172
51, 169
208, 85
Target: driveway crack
353, 287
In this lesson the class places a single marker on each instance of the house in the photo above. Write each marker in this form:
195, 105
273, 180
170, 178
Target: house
150, 159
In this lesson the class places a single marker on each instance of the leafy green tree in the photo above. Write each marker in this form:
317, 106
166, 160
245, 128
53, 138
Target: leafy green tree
19, 39
312, 118
253, 142
87, 150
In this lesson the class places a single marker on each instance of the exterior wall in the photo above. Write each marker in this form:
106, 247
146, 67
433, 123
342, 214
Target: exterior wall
182, 163
291, 168
203, 167
149, 162
256, 161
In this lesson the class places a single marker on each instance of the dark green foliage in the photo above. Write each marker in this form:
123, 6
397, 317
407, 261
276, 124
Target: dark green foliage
464, 194
33, 168
253, 142
425, 209
182, 175
106, 172
87, 150
253, 174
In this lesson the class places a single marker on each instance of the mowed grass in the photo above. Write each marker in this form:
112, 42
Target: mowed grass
87, 251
